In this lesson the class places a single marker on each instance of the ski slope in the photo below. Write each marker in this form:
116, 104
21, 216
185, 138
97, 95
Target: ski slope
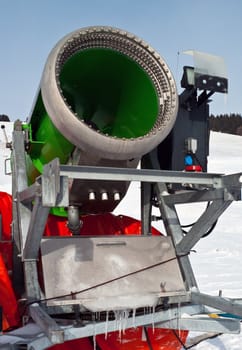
217, 261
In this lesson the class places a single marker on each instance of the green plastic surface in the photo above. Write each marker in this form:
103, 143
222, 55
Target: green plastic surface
108, 91
111, 92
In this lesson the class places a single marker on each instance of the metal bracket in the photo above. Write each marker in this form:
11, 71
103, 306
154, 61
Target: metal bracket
54, 187
54, 332
219, 303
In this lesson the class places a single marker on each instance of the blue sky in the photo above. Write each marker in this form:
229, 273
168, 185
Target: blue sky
30, 28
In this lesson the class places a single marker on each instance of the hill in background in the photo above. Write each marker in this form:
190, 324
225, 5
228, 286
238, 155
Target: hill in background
229, 124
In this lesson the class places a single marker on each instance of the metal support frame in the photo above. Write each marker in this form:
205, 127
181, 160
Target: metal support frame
173, 229
200, 228
54, 332
51, 333
31, 208
146, 208
219, 303
22, 213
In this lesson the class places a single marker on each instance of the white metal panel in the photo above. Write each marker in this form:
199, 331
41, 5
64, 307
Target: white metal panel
129, 272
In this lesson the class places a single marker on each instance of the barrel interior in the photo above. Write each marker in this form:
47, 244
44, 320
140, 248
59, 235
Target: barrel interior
110, 92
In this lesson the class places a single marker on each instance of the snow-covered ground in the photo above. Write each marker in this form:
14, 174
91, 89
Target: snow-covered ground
217, 263
218, 258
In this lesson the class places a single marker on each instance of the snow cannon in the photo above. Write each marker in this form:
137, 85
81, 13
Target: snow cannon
105, 99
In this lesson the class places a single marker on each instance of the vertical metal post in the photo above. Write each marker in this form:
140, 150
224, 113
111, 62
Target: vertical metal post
146, 207
21, 220
173, 229
170, 219
20, 183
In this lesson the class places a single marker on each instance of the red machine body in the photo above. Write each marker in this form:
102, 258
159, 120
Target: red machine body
103, 224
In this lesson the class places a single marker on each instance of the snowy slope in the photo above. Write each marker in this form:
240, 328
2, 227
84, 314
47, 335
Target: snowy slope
217, 263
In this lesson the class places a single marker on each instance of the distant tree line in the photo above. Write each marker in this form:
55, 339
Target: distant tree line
4, 118
226, 123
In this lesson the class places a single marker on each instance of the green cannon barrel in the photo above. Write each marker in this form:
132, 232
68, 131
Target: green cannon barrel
106, 98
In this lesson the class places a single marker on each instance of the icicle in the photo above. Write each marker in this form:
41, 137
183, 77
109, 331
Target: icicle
153, 319
178, 318
115, 318
120, 325
106, 325
134, 314
125, 318
170, 317
94, 337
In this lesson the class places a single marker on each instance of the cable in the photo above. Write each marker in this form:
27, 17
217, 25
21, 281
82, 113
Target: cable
205, 234
208, 231
196, 343
179, 339
148, 338
198, 161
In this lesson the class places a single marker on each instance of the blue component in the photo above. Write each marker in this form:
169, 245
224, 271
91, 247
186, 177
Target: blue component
188, 160
229, 315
